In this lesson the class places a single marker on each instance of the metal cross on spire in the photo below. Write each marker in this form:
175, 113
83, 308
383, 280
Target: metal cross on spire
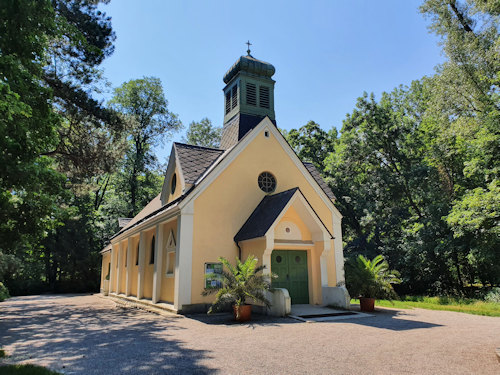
248, 50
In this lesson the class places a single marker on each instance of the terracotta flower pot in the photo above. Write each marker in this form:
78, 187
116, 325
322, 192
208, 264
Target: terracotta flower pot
366, 304
242, 313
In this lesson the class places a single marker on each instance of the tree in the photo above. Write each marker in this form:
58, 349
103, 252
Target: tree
311, 143
464, 116
54, 134
203, 133
28, 125
149, 123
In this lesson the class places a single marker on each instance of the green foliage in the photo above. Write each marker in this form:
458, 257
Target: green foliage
371, 278
203, 133
149, 123
54, 139
464, 305
4, 293
311, 143
238, 284
493, 296
26, 370
416, 173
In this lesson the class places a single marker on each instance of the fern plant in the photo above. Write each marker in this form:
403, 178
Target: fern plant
237, 284
371, 278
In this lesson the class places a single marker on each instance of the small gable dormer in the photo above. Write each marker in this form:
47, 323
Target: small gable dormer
248, 98
186, 165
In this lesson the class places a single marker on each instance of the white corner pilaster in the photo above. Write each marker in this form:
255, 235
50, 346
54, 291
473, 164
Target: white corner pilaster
130, 264
184, 257
119, 269
142, 261
158, 266
339, 251
323, 260
266, 257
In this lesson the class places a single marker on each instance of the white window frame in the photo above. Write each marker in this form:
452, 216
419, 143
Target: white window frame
170, 249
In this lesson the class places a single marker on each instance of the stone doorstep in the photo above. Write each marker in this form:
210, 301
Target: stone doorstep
313, 313
160, 308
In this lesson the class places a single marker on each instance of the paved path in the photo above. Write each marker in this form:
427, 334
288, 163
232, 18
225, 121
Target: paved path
88, 334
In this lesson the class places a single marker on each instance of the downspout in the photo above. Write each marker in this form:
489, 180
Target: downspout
239, 249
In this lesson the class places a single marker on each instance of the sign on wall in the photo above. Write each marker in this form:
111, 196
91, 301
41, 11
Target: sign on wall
212, 268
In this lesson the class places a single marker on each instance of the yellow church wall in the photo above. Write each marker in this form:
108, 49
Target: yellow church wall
255, 248
167, 282
105, 267
148, 267
222, 208
135, 267
292, 216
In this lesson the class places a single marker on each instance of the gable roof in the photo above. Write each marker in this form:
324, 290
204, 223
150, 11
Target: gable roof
197, 163
264, 215
195, 160
151, 207
319, 179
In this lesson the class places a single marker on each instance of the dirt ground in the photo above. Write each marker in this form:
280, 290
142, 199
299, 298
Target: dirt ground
89, 334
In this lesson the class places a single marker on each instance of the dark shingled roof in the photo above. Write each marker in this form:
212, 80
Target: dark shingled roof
317, 176
264, 215
195, 160
230, 133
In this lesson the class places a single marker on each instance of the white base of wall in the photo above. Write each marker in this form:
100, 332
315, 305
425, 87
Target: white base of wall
336, 296
281, 303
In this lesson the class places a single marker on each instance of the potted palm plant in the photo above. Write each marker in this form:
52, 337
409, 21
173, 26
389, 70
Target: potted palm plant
237, 284
370, 279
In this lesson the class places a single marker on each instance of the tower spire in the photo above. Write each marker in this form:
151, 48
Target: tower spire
248, 97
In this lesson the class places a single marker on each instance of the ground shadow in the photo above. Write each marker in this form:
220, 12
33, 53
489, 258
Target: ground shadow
227, 319
388, 319
79, 340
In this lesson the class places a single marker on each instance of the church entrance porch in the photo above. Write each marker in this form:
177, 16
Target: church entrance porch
290, 266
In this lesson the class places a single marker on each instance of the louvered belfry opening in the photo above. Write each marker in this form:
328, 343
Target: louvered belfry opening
234, 96
263, 97
228, 102
248, 98
251, 94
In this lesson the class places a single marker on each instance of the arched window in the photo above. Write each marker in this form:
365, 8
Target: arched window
137, 256
152, 257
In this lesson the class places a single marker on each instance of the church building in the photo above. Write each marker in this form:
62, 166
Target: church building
250, 196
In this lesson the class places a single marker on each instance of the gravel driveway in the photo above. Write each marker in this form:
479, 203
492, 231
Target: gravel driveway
88, 334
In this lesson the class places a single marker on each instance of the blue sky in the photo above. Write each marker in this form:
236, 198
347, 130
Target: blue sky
326, 53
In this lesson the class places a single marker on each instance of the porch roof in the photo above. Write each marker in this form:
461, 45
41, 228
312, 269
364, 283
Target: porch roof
266, 213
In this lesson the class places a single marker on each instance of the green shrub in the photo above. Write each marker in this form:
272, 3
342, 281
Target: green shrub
4, 292
493, 296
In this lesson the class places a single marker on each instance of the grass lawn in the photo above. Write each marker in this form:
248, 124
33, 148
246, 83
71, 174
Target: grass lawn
469, 306
25, 370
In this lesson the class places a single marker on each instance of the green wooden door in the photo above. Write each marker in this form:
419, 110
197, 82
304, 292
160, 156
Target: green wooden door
291, 268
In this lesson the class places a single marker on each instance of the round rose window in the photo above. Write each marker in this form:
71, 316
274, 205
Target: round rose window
267, 182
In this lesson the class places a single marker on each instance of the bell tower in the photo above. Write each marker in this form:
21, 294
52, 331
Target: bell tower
248, 97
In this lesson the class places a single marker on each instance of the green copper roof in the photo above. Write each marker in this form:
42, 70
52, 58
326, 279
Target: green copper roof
251, 65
